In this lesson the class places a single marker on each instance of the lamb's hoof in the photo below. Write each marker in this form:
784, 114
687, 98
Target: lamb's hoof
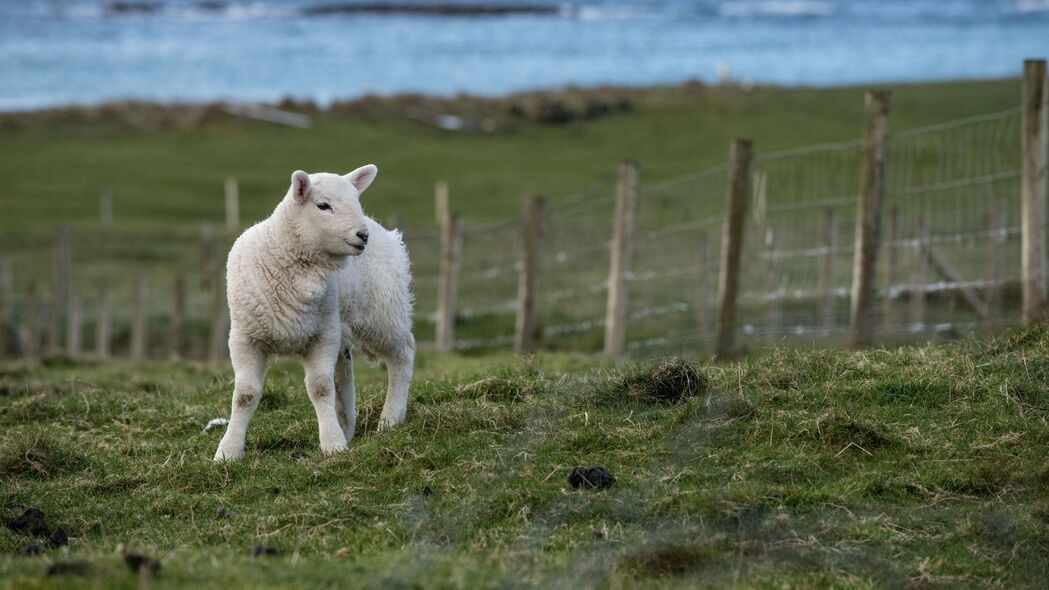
389, 423
227, 456
330, 450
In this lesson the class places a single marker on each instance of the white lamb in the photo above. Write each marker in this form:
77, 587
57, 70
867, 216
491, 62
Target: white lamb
315, 280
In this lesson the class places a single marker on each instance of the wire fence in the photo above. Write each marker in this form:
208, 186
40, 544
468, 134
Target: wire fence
949, 259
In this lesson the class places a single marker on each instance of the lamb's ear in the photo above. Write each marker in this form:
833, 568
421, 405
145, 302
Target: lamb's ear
300, 186
363, 176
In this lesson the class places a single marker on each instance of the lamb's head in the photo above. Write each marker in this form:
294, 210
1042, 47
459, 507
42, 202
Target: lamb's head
327, 209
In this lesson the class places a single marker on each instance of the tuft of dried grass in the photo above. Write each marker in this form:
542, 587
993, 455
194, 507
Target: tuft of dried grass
663, 382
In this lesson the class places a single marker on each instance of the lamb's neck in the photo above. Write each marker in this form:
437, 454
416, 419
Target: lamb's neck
292, 253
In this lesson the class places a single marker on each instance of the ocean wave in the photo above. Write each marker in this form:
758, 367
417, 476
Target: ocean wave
777, 8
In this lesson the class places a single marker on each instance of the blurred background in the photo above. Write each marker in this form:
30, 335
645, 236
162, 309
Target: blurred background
138, 138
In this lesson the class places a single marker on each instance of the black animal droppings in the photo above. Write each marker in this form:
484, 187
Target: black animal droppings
30, 549
30, 523
263, 550
76, 567
594, 477
142, 564
427, 491
59, 538
223, 512
298, 455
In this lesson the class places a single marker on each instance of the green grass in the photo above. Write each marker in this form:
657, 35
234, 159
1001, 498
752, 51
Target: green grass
911, 467
173, 177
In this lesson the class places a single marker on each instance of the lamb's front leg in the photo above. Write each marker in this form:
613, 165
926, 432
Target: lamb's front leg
320, 385
249, 367
346, 393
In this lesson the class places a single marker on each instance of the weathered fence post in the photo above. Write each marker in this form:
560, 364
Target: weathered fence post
868, 215
921, 271
218, 332
105, 206
49, 307
1034, 137
622, 249
740, 156
60, 297
828, 243
448, 281
103, 324
208, 254
996, 221
32, 321
525, 327
232, 204
7, 345
178, 315
138, 320
773, 286
73, 326
892, 276
702, 254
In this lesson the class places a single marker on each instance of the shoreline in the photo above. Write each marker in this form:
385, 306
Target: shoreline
545, 105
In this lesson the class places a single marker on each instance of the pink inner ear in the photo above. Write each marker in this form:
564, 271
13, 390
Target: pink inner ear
300, 187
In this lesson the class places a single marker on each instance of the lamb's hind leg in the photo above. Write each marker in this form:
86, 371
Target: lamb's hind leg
399, 370
346, 404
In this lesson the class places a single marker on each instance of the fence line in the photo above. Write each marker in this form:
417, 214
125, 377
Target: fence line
963, 204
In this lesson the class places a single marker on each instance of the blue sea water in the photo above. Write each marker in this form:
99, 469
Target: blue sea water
87, 51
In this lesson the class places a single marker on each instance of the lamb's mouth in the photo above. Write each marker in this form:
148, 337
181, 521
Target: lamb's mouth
355, 248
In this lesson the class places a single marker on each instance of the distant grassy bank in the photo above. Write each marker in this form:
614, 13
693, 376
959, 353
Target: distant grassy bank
909, 468
166, 166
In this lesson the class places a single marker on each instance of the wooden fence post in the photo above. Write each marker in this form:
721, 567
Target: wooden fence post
868, 215
138, 321
740, 156
178, 315
60, 297
49, 308
921, 271
7, 344
105, 206
525, 327
773, 286
702, 255
73, 326
232, 204
448, 281
996, 221
32, 321
892, 276
828, 243
622, 249
104, 324
218, 333
1034, 137
208, 254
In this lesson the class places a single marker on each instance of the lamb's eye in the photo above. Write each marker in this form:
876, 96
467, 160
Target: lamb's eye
324, 206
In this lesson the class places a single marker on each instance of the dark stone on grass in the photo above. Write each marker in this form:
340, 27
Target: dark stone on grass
298, 455
142, 564
30, 549
74, 567
594, 477
59, 538
31, 523
223, 512
264, 550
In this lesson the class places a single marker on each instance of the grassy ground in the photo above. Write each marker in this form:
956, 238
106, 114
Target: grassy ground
914, 467
170, 177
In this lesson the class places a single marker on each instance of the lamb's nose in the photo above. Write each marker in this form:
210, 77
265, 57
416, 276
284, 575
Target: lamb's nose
363, 235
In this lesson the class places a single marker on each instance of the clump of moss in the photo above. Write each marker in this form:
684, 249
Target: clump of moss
37, 455
664, 382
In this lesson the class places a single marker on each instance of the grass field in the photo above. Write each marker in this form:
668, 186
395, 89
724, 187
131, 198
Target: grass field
914, 467
52, 168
